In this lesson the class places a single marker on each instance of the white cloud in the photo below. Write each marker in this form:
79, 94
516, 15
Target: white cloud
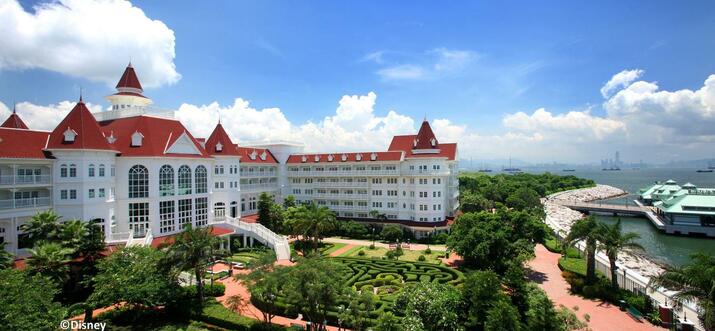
39, 117
402, 72
88, 39
575, 125
433, 64
620, 80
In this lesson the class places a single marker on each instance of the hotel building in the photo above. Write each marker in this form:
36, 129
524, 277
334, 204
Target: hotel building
141, 174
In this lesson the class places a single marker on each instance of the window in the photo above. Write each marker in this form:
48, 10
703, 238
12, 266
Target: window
166, 180
139, 218
91, 193
63, 194
184, 212
184, 181
201, 211
138, 182
73, 170
201, 180
166, 216
73, 194
101, 170
112, 171
101, 193
63, 171
91, 170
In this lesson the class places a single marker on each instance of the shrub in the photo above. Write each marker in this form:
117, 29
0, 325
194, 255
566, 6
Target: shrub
361, 253
215, 290
421, 258
372, 246
428, 251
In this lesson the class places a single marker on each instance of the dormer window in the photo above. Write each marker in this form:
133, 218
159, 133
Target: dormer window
414, 143
111, 139
264, 155
343, 157
70, 135
433, 142
303, 159
317, 158
373, 156
219, 147
330, 158
137, 138
253, 154
358, 157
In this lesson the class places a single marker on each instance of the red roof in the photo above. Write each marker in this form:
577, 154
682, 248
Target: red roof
159, 134
14, 122
129, 79
247, 152
349, 157
425, 138
168, 240
88, 133
406, 144
219, 136
23, 144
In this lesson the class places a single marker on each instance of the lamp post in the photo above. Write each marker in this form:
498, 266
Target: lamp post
373, 236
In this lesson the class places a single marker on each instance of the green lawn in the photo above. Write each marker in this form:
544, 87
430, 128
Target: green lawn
379, 252
575, 265
332, 247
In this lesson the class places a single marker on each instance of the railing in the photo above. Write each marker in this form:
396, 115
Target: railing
119, 237
279, 243
25, 180
335, 196
258, 174
430, 172
340, 184
347, 173
349, 208
25, 203
133, 111
252, 187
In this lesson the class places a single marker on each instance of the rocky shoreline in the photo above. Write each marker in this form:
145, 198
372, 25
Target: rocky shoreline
560, 219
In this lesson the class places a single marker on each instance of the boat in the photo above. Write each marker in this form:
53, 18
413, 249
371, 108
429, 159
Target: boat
511, 169
704, 170
568, 170
611, 169
485, 170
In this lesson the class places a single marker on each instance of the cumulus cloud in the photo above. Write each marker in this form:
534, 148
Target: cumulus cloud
88, 39
574, 125
620, 80
39, 117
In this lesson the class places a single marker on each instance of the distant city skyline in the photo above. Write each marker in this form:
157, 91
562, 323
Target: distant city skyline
591, 80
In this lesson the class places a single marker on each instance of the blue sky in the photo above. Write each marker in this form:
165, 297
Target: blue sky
470, 63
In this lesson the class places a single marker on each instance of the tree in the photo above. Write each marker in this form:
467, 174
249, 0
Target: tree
357, 313
693, 281
474, 202
26, 302
236, 303
502, 316
44, 226
265, 201
311, 221
540, 314
586, 229
193, 250
388, 322
50, 259
612, 240
72, 233
134, 276
430, 307
6, 259
391, 233
264, 282
288, 202
523, 198
353, 229
312, 287
481, 290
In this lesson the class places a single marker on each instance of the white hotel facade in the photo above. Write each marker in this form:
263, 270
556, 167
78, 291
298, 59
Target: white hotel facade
140, 174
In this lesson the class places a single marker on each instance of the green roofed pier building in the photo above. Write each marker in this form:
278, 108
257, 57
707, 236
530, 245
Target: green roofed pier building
684, 209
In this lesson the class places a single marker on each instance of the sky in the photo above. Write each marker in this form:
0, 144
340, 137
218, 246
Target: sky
543, 81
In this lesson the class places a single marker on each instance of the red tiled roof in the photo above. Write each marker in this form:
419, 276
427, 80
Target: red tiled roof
349, 157
82, 122
405, 143
14, 122
159, 135
23, 144
425, 137
130, 93
219, 136
129, 79
246, 152
168, 240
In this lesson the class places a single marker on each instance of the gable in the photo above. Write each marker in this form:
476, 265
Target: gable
183, 145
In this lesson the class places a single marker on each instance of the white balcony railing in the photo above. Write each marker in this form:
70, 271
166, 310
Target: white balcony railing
350, 173
278, 242
25, 180
340, 184
426, 172
261, 174
335, 196
25, 203
259, 187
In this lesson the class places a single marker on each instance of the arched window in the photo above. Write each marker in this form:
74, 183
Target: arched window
73, 170
91, 170
101, 170
201, 181
184, 180
234, 209
138, 182
166, 180
63, 171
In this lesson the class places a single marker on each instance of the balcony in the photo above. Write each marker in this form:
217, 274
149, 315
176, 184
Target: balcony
351, 173
25, 203
427, 172
258, 174
25, 180
337, 196
340, 184
348, 208
259, 187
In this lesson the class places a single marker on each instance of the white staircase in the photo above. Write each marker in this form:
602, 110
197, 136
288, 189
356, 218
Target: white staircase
259, 232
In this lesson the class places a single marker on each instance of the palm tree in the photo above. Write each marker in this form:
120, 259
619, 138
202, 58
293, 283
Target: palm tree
586, 229
612, 240
313, 221
50, 259
6, 259
693, 281
193, 249
72, 233
44, 226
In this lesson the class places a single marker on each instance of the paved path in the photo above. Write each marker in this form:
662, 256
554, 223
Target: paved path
357, 242
604, 316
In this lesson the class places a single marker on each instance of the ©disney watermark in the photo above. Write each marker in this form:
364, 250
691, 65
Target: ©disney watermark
80, 325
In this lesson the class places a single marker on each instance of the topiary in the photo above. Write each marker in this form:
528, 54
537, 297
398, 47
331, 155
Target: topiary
428, 251
361, 253
421, 258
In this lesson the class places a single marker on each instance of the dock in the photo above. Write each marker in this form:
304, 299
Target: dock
638, 210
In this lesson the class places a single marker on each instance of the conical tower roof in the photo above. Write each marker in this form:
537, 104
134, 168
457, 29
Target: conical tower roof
425, 138
219, 143
81, 128
14, 122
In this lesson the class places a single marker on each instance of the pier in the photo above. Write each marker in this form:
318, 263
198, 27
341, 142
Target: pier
637, 210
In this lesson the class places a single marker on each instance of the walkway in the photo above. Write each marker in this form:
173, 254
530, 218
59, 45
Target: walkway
603, 316
341, 250
358, 242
